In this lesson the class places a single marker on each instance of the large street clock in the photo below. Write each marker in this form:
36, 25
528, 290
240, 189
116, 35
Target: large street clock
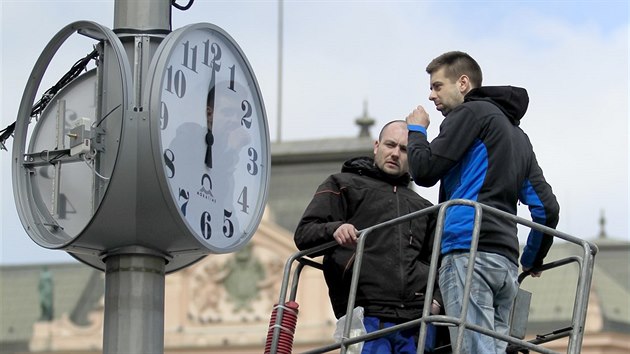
209, 136
170, 158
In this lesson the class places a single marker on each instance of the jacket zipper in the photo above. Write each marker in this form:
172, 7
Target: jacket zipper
400, 249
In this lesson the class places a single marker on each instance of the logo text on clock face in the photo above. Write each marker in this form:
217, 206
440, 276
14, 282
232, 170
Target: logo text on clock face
206, 188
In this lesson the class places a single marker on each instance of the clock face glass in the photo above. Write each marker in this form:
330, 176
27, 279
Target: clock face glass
213, 138
64, 187
67, 186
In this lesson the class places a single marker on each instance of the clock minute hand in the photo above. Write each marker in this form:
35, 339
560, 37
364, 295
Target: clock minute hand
210, 121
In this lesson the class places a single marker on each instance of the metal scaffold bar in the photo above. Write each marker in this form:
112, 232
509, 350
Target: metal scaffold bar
575, 332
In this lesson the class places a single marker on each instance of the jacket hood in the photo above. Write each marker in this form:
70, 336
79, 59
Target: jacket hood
365, 166
512, 101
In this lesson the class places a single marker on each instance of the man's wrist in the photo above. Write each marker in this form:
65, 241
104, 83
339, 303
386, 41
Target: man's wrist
417, 128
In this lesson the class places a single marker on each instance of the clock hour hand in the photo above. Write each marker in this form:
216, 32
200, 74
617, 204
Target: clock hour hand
209, 142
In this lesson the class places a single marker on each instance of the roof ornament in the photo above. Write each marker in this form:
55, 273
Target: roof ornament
364, 122
602, 224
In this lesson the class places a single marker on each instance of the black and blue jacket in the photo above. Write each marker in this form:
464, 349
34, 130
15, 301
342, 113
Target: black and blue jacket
481, 154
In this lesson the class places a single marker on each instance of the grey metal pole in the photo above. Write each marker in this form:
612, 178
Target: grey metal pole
134, 302
142, 15
280, 40
134, 275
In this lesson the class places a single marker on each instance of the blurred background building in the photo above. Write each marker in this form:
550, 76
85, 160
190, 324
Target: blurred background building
223, 303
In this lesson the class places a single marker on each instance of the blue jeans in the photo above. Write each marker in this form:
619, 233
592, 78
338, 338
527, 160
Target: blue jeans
401, 342
494, 287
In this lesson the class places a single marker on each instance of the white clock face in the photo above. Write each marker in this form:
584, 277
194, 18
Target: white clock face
67, 187
213, 136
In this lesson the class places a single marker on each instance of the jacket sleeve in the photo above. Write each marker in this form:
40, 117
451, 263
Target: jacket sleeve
544, 209
324, 214
428, 162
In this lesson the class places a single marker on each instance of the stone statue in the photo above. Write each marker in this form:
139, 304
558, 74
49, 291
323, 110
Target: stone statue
46, 295
244, 273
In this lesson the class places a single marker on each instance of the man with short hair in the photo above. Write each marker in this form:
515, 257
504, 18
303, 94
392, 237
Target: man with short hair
395, 266
480, 154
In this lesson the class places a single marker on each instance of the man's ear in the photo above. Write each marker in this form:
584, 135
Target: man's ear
375, 146
464, 85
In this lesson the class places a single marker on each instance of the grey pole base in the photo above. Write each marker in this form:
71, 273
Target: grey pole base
134, 302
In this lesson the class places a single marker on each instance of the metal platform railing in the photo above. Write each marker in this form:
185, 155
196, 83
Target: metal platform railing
575, 332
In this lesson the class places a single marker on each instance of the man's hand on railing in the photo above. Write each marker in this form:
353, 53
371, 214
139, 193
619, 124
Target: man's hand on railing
346, 235
531, 273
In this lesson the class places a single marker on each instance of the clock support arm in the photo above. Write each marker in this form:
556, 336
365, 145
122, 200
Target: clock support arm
83, 140
61, 118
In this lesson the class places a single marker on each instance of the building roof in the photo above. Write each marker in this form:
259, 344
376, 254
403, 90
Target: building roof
553, 294
298, 168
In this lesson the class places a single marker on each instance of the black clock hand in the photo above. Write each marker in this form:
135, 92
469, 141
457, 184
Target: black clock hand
210, 121
209, 142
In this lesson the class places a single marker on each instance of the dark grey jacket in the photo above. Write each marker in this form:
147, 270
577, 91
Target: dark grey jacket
396, 260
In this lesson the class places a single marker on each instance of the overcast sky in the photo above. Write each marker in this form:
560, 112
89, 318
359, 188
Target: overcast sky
572, 57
